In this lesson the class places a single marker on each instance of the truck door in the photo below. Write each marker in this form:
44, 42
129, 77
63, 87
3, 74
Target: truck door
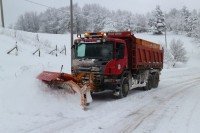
121, 58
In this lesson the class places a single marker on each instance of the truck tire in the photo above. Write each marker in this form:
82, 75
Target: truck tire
124, 88
156, 79
149, 83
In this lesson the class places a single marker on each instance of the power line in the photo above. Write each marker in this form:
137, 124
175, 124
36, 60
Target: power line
37, 3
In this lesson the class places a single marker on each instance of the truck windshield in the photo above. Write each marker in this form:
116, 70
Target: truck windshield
102, 51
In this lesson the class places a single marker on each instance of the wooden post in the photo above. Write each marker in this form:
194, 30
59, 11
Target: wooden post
38, 50
54, 50
37, 37
16, 47
64, 49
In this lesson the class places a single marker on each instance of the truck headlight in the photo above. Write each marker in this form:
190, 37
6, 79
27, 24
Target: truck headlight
95, 69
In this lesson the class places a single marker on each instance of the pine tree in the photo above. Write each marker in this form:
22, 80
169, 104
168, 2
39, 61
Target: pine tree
196, 31
157, 22
192, 24
185, 16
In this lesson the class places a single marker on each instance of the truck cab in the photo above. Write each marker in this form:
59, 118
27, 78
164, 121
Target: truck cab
105, 57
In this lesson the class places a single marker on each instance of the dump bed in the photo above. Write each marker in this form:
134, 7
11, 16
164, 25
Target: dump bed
146, 54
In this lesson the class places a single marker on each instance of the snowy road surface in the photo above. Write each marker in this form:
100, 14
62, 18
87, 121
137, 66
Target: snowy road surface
173, 107
28, 106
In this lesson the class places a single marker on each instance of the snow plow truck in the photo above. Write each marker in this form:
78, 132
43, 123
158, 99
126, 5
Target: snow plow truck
116, 61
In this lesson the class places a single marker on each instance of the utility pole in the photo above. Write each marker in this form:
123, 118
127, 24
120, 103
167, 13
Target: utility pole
71, 22
2, 17
166, 36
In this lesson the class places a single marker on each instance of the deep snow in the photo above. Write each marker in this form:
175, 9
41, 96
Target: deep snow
27, 105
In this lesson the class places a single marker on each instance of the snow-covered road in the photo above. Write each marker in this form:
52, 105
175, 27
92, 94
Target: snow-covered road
172, 107
28, 106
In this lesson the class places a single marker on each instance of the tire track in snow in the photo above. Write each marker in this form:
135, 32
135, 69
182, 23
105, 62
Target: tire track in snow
192, 112
136, 118
172, 110
54, 125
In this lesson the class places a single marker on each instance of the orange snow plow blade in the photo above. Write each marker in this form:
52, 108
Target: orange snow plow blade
72, 84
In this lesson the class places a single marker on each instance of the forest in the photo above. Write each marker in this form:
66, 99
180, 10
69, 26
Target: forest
93, 17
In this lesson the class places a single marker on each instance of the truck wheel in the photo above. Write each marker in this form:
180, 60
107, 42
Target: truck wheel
124, 88
156, 79
149, 83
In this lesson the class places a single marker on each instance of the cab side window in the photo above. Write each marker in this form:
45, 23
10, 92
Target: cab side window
119, 51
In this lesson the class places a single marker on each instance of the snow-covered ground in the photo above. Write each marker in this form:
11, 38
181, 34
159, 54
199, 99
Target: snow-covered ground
29, 106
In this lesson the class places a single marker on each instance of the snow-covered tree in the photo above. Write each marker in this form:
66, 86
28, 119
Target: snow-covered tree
173, 19
50, 21
157, 22
79, 20
139, 23
124, 20
94, 16
109, 25
20, 24
63, 19
196, 32
185, 15
28, 22
192, 24
182, 21
178, 51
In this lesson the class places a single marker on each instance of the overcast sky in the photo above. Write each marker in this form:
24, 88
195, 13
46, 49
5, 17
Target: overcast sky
14, 8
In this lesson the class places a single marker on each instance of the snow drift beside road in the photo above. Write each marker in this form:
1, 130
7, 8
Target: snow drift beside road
27, 105
22, 97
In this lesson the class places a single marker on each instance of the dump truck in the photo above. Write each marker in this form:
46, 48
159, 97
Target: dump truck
116, 61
